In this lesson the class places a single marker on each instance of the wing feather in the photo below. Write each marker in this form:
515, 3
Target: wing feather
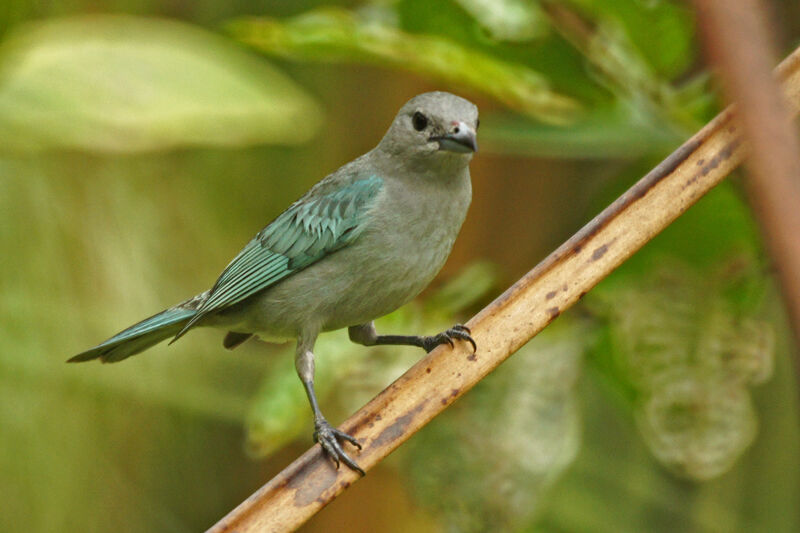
313, 227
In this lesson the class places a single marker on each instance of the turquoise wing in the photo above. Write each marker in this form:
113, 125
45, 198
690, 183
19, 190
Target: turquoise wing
313, 227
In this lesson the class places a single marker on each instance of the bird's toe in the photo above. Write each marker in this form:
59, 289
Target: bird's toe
329, 437
458, 331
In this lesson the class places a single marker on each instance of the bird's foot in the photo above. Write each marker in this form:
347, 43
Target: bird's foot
329, 437
446, 337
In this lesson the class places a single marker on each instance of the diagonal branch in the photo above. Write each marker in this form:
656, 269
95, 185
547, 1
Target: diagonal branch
405, 406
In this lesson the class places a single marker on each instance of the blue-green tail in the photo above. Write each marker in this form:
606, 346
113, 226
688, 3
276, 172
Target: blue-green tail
139, 337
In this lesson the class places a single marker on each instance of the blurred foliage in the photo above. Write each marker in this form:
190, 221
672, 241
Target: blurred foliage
124, 84
332, 34
688, 358
542, 75
638, 411
507, 20
516, 432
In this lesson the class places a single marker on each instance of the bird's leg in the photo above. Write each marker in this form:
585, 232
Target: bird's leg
324, 433
367, 335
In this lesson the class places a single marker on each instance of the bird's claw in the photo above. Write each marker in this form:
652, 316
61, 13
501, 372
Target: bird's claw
329, 437
458, 331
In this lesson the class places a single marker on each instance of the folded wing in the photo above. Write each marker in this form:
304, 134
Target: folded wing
313, 227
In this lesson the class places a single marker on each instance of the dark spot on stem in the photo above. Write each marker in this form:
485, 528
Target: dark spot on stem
599, 252
309, 485
398, 428
453, 394
715, 161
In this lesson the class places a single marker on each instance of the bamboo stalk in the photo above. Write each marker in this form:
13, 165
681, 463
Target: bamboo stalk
527, 307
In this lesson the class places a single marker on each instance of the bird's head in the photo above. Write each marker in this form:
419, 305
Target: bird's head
434, 125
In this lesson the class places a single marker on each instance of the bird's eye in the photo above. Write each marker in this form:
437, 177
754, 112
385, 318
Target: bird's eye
419, 121
477, 124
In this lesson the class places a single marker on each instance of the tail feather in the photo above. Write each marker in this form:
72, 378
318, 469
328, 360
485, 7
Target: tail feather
140, 336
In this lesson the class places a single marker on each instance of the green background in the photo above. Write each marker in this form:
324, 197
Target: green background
142, 144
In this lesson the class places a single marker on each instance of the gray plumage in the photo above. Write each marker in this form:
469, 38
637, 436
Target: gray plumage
361, 243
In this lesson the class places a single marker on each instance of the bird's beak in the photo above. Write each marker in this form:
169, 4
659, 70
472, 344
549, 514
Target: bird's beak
460, 139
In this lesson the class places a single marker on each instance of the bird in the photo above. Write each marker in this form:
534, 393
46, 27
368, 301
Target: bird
362, 242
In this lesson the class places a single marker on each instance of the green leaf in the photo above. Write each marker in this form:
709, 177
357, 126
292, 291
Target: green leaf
549, 54
662, 31
338, 35
507, 20
619, 63
127, 84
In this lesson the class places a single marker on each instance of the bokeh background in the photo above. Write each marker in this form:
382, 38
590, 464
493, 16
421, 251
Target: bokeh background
142, 144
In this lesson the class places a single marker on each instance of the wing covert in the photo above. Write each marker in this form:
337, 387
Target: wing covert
313, 227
